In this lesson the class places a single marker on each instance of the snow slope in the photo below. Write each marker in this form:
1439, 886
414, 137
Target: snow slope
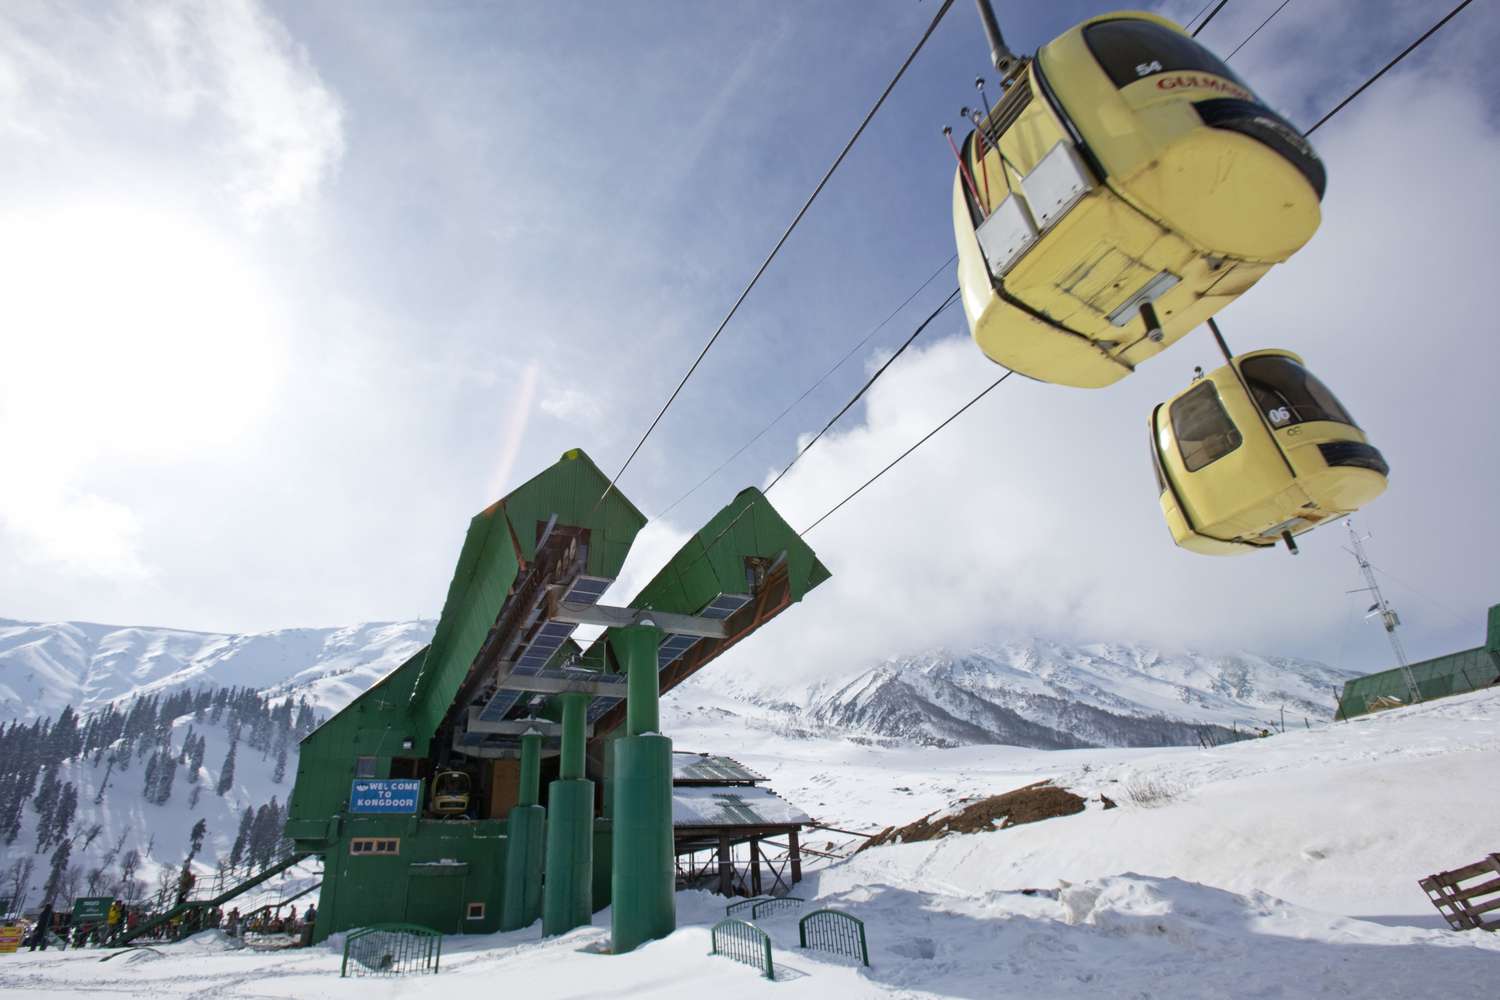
1278, 868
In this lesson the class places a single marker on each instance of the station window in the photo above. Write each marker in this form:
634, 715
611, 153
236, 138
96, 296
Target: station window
1130, 49
375, 845
1289, 394
364, 767
1204, 431
476, 911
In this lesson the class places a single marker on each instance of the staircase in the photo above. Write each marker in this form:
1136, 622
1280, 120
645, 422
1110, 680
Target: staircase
227, 883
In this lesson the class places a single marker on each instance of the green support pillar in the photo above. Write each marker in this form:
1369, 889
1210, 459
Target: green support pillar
568, 897
522, 895
643, 904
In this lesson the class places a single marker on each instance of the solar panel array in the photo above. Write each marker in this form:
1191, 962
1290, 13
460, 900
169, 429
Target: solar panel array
547, 640
544, 645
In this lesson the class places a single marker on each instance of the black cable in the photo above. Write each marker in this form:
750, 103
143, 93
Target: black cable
1209, 18
1404, 53
898, 458
1195, 17
808, 391
1257, 30
942, 11
952, 298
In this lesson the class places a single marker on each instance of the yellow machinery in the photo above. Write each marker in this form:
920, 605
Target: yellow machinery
1125, 187
450, 793
1258, 452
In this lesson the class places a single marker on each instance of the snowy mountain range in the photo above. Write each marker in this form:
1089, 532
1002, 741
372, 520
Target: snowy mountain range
1049, 695
1040, 693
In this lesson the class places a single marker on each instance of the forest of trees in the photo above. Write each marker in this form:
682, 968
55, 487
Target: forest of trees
143, 733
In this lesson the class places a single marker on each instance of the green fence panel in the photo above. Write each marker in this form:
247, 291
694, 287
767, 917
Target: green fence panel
743, 942
775, 905
391, 950
741, 905
834, 931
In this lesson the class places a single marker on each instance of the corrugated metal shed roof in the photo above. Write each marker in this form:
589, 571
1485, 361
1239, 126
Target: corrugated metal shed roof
733, 807
710, 769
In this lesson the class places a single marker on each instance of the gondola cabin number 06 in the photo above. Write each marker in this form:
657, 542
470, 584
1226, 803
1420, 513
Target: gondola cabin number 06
385, 796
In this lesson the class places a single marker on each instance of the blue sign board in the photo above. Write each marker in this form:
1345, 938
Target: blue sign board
377, 795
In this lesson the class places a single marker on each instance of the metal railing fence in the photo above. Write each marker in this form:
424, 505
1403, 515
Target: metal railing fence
834, 931
391, 950
776, 904
743, 942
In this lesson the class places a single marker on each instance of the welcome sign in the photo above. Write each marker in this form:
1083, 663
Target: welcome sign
386, 795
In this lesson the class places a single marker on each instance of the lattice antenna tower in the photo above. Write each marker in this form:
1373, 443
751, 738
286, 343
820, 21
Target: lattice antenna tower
1382, 608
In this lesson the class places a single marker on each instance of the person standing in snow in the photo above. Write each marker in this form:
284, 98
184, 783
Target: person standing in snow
232, 923
112, 921
43, 928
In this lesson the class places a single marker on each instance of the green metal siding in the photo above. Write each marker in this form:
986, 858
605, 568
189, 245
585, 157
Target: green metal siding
373, 725
360, 890
1493, 634
488, 565
713, 560
1456, 673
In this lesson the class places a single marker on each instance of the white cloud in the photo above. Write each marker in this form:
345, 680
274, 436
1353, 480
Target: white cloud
567, 403
221, 75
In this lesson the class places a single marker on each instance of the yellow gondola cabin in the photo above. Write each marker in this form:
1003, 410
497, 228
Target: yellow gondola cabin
1138, 187
1258, 452
450, 793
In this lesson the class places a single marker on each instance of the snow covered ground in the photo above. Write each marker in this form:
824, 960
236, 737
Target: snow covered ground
1283, 867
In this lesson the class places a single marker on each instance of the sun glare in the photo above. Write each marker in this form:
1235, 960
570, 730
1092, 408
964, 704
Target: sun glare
130, 331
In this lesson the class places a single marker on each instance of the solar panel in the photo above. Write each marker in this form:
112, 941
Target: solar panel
672, 647
725, 605
587, 590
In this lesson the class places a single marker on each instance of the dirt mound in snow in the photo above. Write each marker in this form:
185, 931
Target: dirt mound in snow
1040, 801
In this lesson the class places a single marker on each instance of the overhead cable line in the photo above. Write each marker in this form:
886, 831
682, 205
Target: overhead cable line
1209, 18
937, 18
1195, 17
952, 298
1252, 34
809, 390
925, 438
1388, 66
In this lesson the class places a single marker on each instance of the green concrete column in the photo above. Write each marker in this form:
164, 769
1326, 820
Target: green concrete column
531, 768
568, 894
521, 898
636, 647
575, 735
643, 903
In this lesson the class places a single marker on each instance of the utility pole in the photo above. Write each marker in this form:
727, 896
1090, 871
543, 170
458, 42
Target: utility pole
1382, 607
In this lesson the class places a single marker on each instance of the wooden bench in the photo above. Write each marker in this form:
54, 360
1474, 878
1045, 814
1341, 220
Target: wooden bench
1465, 908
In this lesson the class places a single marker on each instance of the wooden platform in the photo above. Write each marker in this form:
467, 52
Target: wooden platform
1472, 907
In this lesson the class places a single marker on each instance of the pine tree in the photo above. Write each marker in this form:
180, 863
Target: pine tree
280, 772
166, 772
45, 804
58, 874
242, 839
200, 830
67, 808
226, 773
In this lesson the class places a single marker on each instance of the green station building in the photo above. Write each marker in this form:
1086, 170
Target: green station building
1453, 673
506, 772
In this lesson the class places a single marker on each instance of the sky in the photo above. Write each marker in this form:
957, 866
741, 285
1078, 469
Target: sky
291, 290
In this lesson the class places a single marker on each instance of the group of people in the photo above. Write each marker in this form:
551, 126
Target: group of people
59, 928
